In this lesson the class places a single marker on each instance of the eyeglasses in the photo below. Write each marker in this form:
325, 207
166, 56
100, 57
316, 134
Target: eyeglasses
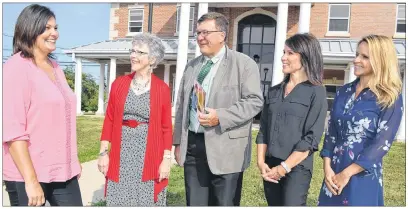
205, 32
137, 52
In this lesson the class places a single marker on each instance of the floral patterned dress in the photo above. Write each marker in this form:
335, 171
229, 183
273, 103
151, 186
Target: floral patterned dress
361, 132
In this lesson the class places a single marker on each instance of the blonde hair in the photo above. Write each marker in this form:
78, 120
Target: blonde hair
385, 82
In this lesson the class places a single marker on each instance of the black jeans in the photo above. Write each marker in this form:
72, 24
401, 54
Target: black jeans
56, 193
291, 190
12, 192
204, 188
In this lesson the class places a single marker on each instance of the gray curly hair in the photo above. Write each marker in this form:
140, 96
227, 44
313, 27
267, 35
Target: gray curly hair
155, 45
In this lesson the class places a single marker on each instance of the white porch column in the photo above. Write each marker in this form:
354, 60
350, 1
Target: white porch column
351, 76
101, 103
282, 24
304, 17
78, 84
401, 131
107, 85
108, 79
346, 76
182, 47
112, 72
202, 9
167, 73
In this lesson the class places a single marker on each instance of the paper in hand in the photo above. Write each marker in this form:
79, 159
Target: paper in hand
199, 93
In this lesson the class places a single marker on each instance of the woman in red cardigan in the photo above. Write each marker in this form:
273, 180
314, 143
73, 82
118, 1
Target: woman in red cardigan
138, 127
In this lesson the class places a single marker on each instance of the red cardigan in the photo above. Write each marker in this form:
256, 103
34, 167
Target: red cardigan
159, 134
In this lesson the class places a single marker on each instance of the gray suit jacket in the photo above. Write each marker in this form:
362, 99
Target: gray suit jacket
237, 97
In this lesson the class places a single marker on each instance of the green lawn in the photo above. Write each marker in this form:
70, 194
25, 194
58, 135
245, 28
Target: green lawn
88, 135
89, 130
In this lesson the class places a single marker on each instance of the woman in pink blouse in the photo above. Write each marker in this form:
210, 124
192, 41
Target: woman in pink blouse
40, 155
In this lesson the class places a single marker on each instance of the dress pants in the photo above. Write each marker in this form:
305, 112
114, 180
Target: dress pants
204, 188
291, 190
56, 193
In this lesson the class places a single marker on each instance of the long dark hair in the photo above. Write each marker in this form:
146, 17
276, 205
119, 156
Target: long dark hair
311, 55
31, 23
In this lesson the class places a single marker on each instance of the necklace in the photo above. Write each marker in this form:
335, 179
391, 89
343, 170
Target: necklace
138, 85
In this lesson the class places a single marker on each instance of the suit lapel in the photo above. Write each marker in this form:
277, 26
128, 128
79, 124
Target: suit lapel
194, 74
219, 76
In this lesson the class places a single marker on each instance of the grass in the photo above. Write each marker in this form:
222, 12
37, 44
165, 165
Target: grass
88, 135
89, 130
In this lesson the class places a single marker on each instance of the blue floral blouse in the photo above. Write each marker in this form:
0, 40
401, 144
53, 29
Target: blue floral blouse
361, 132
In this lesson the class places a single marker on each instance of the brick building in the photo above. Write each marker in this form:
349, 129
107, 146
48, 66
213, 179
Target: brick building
255, 29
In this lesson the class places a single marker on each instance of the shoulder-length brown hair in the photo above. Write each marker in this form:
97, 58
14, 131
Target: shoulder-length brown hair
311, 55
31, 23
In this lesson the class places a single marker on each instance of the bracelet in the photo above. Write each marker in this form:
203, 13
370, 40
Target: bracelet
287, 169
103, 153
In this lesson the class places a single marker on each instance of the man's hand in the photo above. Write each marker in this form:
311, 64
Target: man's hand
210, 119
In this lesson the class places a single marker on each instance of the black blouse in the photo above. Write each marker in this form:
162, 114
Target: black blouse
295, 122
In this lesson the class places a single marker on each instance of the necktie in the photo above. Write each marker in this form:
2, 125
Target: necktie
204, 71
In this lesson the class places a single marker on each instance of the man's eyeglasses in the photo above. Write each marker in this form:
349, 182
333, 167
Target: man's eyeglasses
137, 52
205, 32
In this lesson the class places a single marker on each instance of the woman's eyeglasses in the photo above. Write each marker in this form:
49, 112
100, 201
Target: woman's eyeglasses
137, 52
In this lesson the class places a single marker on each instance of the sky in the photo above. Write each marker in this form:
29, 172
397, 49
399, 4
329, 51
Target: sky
78, 24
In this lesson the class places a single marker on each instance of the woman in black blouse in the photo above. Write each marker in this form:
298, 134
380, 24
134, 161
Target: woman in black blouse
292, 123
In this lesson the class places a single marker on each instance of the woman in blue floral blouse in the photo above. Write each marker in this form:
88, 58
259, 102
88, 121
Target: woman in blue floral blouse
364, 120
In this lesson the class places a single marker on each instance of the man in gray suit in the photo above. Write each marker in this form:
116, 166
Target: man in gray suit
214, 146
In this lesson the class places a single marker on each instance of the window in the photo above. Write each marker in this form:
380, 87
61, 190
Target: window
191, 27
339, 17
135, 20
401, 18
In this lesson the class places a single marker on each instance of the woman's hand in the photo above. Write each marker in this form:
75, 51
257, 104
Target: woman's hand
328, 179
263, 168
35, 194
164, 169
103, 164
272, 175
341, 180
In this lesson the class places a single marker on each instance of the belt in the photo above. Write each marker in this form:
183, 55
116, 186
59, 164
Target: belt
194, 133
132, 123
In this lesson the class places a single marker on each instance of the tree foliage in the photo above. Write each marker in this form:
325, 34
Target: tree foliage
90, 90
